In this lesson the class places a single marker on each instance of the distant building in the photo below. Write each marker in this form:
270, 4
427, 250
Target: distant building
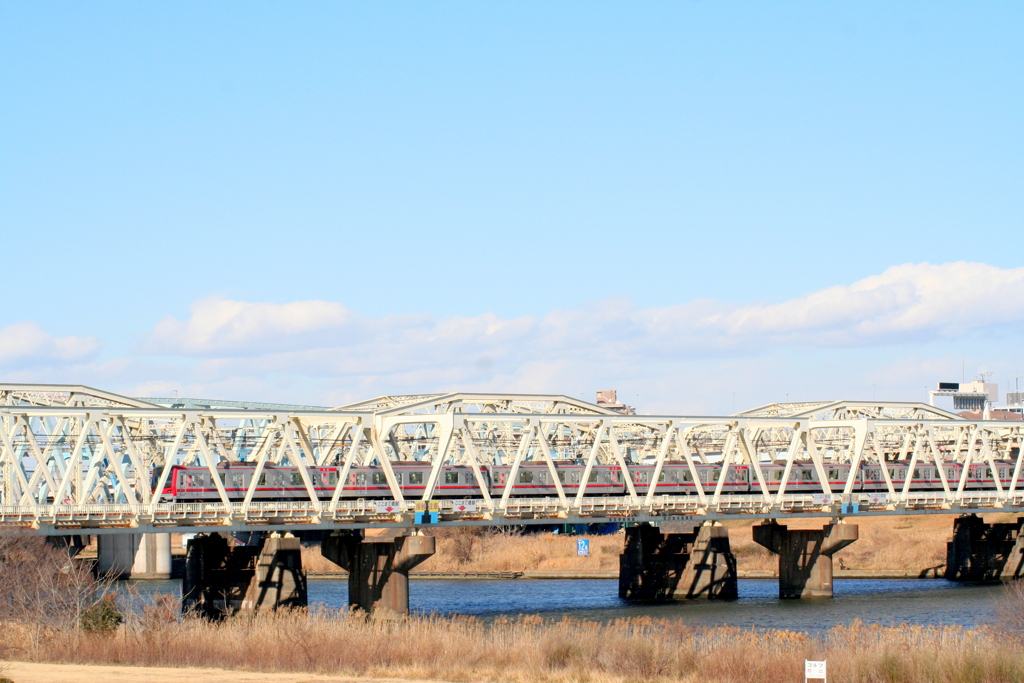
609, 399
993, 414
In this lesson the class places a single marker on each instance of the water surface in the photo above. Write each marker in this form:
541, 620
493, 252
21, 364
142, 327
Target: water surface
872, 601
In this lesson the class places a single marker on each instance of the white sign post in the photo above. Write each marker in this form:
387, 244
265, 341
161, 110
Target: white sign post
814, 671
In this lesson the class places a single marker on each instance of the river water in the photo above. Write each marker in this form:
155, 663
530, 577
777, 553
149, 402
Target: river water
872, 601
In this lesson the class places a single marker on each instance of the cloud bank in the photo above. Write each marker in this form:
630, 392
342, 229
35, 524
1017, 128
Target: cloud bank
27, 345
907, 303
905, 327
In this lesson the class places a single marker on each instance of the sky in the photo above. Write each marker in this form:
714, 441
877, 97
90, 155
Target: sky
706, 206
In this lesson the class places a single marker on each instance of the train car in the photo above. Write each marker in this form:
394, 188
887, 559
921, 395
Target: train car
534, 479
275, 483
412, 478
926, 476
676, 479
803, 477
981, 476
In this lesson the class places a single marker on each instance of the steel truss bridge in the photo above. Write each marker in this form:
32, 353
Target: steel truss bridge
78, 460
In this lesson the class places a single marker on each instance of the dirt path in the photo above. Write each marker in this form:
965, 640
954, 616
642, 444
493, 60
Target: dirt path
32, 672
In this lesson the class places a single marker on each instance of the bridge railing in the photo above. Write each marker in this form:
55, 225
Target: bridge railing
104, 518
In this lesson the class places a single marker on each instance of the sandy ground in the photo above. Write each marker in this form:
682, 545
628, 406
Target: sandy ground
31, 672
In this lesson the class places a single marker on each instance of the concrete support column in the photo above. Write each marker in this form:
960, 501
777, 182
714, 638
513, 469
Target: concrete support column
222, 579
805, 556
279, 580
657, 567
985, 553
378, 565
134, 556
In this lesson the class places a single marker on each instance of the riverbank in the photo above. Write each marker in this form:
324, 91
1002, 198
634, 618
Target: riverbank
912, 546
333, 646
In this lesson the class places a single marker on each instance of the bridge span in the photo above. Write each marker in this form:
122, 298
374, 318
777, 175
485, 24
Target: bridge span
76, 460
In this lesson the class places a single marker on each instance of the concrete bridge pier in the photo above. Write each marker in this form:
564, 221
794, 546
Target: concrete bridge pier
134, 556
657, 567
985, 553
378, 564
72, 545
222, 579
805, 556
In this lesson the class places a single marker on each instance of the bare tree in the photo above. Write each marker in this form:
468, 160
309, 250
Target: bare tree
42, 589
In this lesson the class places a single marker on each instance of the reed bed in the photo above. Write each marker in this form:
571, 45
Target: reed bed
530, 648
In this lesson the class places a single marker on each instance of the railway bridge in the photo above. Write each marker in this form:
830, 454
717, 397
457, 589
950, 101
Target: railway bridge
80, 461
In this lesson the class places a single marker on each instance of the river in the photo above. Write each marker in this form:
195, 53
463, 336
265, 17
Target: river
872, 601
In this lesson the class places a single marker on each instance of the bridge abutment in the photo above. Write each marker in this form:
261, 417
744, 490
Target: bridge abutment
985, 553
222, 579
805, 556
656, 567
134, 556
378, 564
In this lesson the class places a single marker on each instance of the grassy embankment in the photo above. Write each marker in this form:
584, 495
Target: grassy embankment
529, 649
911, 543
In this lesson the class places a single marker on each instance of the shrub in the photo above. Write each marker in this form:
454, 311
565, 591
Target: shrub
102, 617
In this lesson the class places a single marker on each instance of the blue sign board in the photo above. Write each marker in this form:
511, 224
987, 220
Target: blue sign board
583, 546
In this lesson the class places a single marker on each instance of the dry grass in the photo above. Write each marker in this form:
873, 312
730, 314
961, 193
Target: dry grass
886, 543
530, 649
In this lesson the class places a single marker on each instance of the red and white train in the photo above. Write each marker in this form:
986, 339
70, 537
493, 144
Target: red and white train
533, 479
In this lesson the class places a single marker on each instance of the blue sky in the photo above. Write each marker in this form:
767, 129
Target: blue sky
326, 201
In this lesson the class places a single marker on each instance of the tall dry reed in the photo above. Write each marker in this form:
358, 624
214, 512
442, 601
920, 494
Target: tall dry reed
532, 649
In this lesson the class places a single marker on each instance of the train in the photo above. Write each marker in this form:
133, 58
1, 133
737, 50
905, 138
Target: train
534, 479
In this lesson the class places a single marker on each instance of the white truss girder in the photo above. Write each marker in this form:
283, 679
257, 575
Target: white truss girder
66, 468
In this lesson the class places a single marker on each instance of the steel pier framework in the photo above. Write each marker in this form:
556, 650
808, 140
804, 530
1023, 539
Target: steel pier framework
89, 464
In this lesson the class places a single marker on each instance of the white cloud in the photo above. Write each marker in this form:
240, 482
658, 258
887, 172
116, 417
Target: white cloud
904, 328
26, 344
908, 302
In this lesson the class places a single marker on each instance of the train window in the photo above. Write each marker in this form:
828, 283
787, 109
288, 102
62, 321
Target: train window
451, 477
525, 477
777, 475
687, 476
263, 479
379, 478
833, 475
561, 476
661, 477
295, 479
415, 477
593, 477
398, 478
332, 478
892, 472
807, 475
